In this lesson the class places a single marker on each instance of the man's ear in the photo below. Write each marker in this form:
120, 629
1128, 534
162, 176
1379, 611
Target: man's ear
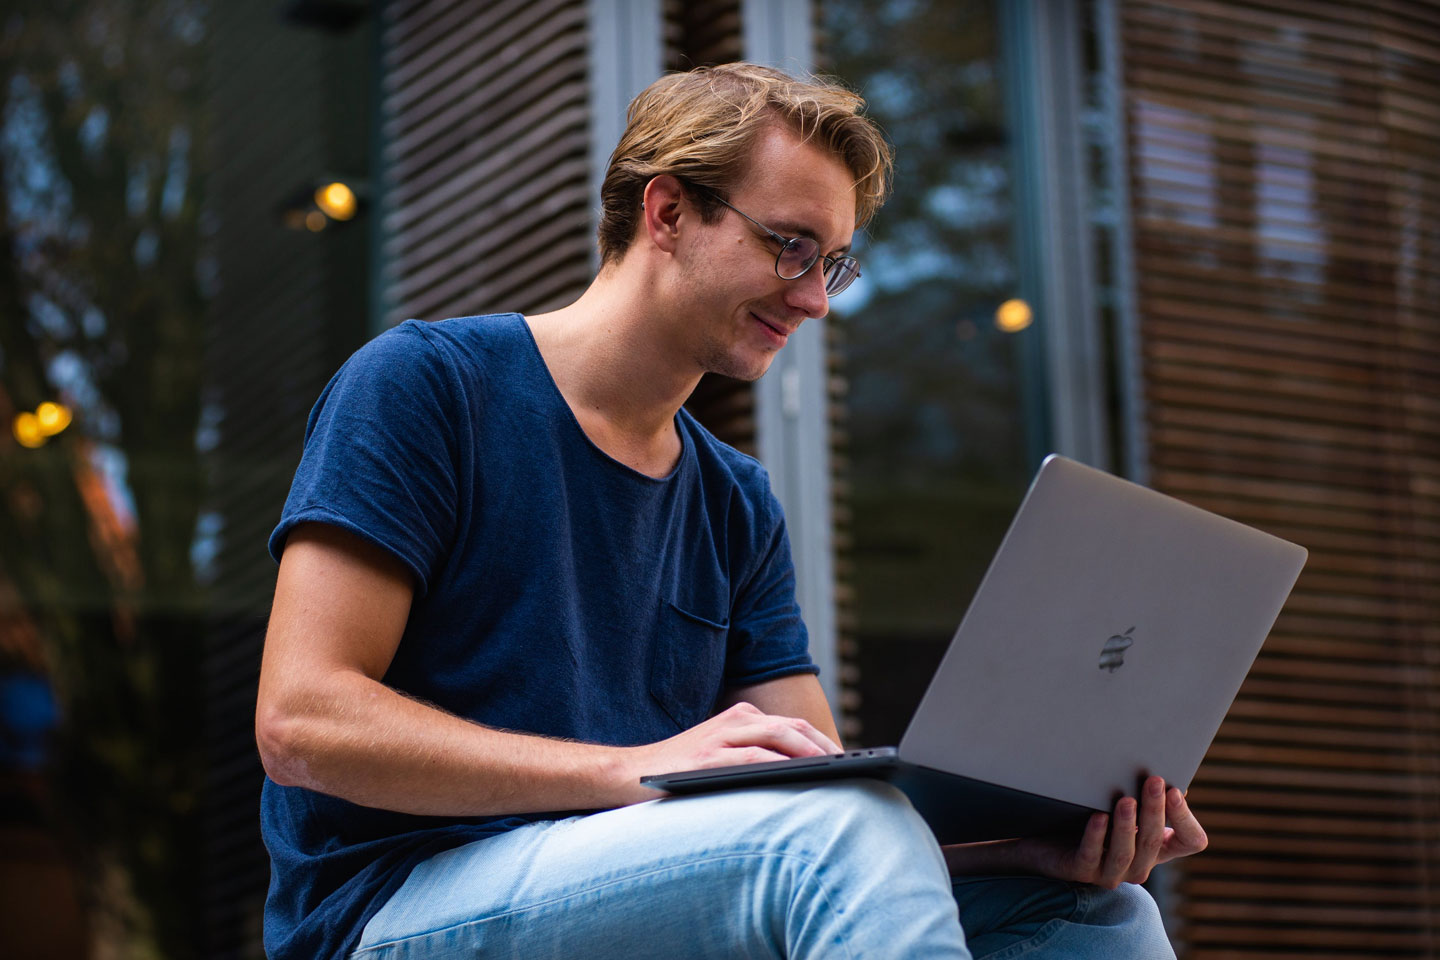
664, 202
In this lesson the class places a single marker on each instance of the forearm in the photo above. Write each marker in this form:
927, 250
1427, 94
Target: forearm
365, 742
991, 858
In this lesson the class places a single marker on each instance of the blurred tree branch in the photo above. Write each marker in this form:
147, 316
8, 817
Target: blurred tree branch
100, 304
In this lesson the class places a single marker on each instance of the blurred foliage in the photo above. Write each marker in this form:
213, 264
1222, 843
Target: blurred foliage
102, 296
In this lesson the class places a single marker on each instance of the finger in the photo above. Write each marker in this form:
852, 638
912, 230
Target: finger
817, 736
742, 755
1121, 850
1091, 853
744, 710
784, 735
1189, 837
1151, 834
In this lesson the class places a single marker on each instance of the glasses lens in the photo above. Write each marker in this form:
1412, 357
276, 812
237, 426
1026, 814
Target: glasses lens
840, 275
796, 257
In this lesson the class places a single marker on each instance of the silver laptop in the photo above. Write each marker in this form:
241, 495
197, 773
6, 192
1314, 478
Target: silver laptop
1105, 644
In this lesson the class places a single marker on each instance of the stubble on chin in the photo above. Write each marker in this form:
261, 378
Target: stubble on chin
717, 361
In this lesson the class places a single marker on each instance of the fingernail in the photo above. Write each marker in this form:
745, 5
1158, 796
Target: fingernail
1157, 787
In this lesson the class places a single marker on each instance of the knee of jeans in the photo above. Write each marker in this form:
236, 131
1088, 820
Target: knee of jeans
850, 811
1130, 905
863, 796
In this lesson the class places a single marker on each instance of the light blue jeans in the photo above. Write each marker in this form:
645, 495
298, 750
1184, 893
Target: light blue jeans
840, 870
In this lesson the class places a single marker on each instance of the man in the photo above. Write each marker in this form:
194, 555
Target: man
515, 576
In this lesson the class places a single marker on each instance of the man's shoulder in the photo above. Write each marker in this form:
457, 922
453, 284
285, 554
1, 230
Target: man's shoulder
471, 333
719, 461
459, 348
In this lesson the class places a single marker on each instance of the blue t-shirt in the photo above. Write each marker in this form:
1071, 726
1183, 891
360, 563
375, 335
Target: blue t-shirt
557, 591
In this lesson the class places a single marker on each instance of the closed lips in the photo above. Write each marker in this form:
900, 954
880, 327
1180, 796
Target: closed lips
778, 328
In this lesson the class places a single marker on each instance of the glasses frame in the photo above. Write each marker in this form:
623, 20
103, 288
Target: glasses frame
788, 243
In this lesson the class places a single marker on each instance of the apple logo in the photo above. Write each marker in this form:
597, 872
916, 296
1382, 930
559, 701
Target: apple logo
1112, 656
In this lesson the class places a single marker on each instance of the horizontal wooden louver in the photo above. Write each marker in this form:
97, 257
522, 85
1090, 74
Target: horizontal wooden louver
486, 141
702, 32
1285, 178
698, 34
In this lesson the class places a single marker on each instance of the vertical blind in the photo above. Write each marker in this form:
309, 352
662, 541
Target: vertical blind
1285, 173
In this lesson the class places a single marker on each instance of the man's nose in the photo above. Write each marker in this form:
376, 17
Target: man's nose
807, 293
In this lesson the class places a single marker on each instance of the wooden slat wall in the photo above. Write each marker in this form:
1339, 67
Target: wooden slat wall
842, 535
1285, 173
703, 33
485, 140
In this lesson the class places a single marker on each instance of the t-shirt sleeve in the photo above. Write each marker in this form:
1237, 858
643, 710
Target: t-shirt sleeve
381, 453
768, 639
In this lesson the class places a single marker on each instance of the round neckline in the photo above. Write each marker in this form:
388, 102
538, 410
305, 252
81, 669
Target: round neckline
559, 398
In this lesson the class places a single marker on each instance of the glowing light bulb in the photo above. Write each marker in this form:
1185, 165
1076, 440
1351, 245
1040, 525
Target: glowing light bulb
1012, 316
52, 418
27, 430
336, 200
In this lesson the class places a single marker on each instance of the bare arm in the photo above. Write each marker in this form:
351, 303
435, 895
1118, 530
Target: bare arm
325, 721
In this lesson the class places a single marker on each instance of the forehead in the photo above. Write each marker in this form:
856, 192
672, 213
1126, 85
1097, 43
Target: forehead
800, 188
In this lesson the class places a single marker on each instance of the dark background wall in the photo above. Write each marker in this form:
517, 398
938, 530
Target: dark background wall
293, 108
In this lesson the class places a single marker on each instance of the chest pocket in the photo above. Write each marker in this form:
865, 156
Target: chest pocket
687, 666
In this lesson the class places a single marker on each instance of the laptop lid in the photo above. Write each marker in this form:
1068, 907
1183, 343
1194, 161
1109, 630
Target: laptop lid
1110, 635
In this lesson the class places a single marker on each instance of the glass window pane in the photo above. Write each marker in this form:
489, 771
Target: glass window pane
937, 440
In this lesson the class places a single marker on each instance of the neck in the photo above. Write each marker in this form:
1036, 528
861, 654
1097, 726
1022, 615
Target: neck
612, 357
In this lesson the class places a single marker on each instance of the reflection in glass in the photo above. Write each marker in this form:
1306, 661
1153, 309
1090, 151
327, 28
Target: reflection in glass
100, 483
937, 448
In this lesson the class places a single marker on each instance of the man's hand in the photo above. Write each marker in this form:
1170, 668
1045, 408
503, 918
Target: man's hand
1119, 848
739, 734
1135, 845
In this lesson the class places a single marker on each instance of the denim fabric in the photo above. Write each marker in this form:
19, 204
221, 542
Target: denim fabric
1032, 917
842, 870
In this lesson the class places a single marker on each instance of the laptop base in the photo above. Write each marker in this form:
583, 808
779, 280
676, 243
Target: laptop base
957, 809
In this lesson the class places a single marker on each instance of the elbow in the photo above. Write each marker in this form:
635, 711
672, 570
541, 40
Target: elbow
278, 738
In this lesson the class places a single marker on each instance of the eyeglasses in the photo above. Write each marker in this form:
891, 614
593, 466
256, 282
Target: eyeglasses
798, 254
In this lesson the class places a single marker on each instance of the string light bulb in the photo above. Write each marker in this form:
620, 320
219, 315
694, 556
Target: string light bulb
33, 428
336, 200
27, 430
1012, 316
52, 417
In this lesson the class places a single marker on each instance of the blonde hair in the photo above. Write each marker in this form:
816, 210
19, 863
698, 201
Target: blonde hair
699, 126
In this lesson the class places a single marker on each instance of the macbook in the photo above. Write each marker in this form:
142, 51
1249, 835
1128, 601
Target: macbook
1105, 644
